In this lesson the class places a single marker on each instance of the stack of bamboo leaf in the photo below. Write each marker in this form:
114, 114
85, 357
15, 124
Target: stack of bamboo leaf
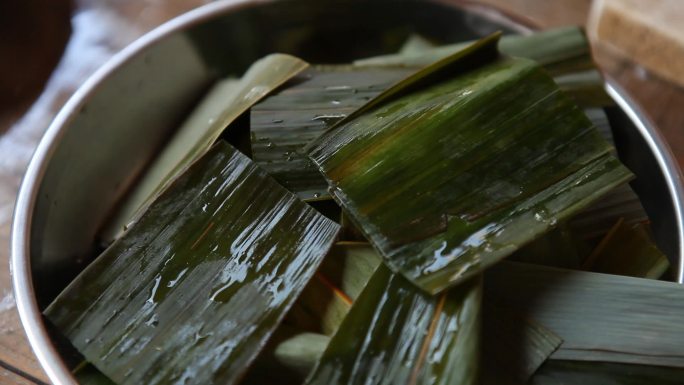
349, 242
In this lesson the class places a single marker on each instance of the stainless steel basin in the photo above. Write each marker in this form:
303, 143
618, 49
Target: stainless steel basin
111, 127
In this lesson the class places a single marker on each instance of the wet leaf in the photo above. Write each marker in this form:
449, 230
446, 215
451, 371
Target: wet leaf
600, 317
396, 334
283, 123
224, 103
442, 200
194, 289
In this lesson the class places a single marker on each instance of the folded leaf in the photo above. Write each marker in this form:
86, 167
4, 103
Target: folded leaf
449, 179
396, 334
224, 103
600, 317
193, 290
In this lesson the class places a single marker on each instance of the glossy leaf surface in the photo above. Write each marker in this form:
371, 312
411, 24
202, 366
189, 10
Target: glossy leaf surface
283, 123
224, 103
450, 179
396, 334
193, 290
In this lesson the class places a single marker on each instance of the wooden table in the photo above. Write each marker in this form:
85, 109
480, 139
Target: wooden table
49, 57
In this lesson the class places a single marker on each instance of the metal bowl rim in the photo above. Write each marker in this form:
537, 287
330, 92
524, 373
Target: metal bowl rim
20, 256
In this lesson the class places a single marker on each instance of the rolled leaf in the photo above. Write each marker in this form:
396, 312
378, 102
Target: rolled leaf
224, 103
600, 317
396, 334
194, 289
449, 179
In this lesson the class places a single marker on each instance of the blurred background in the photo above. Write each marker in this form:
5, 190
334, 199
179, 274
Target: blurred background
49, 48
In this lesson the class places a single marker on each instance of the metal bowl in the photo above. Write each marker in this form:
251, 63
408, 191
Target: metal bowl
113, 125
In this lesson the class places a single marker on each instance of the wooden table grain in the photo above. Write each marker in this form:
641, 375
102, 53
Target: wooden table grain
54, 45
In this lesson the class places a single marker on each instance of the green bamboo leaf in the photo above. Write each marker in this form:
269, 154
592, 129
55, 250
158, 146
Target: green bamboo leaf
558, 248
224, 103
586, 87
597, 219
628, 250
620, 203
298, 174
193, 290
396, 334
604, 373
563, 52
559, 51
600, 317
288, 357
514, 347
283, 123
329, 295
442, 201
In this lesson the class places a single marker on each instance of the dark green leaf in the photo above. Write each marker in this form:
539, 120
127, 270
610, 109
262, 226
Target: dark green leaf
397, 334
224, 103
442, 200
600, 317
283, 123
193, 290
